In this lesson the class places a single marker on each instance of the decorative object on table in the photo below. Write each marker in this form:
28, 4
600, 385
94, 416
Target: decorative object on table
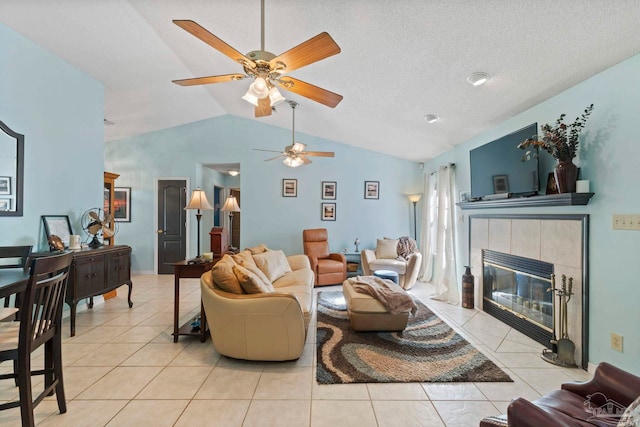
428, 350
74, 242
561, 141
295, 154
122, 204
414, 199
328, 212
372, 189
329, 190
97, 225
266, 69
467, 288
55, 243
289, 187
58, 225
357, 242
199, 202
566, 348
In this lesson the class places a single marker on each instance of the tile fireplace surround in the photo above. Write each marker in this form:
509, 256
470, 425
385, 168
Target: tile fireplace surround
561, 240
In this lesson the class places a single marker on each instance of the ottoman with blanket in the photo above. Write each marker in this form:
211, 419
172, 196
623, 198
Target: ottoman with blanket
376, 304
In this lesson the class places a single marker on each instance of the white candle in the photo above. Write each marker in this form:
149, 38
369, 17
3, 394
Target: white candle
582, 186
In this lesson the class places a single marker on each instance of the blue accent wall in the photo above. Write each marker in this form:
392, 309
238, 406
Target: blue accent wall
59, 110
608, 157
266, 216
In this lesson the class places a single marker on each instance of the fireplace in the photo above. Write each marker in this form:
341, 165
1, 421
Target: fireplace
516, 290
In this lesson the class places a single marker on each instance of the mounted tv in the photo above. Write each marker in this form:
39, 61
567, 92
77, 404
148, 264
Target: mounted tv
501, 168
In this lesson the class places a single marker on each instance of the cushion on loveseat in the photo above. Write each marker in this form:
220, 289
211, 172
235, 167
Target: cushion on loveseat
224, 277
273, 264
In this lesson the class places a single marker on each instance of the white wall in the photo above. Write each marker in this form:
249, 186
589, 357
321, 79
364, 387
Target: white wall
59, 110
609, 153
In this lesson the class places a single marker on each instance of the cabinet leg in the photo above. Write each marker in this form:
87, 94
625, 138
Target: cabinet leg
90, 302
129, 295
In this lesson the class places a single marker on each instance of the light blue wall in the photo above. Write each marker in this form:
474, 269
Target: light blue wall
266, 216
609, 154
59, 110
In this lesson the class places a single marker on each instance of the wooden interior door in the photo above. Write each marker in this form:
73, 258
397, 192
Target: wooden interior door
172, 224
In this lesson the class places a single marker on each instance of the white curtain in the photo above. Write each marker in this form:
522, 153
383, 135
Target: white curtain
437, 235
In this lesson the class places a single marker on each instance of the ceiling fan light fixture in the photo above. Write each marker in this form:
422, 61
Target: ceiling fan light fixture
250, 98
478, 78
259, 88
293, 162
234, 172
298, 147
275, 97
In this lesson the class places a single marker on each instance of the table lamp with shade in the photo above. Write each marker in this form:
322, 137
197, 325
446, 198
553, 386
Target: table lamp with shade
231, 206
199, 202
414, 199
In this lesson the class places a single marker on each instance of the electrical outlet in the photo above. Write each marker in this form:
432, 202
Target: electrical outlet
616, 342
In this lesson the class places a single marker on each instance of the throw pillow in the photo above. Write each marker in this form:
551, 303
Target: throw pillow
387, 248
244, 258
273, 264
250, 282
258, 249
224, 277
631, 417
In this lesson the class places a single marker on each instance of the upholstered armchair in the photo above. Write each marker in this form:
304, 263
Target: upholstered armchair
329, 268
386, 257
599, 401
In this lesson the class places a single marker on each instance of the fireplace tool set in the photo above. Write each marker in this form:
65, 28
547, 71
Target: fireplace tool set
565, 348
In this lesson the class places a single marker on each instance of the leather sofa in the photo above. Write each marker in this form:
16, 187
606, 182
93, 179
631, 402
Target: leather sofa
329, 268
261, 326
599, 401
407, 270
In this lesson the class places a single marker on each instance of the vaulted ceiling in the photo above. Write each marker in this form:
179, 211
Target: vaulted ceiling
400, 60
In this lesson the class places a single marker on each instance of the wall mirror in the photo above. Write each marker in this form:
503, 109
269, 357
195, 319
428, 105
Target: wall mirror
11, 171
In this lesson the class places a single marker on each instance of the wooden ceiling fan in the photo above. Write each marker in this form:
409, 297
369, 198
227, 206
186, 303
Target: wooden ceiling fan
295, 154
267, 69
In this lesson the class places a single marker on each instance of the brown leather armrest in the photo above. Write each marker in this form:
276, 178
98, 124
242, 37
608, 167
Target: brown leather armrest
618, 385
338, 257
522, 413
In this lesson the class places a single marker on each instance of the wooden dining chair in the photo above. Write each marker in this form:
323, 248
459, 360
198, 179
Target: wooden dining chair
40, 325
12, 257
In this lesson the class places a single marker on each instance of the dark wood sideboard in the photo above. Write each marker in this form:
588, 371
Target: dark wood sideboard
95, 272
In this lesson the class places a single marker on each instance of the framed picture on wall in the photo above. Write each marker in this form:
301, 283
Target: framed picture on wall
122, 204
5, 185
372, 189
328, 212
329, 190
289, 188
58, 225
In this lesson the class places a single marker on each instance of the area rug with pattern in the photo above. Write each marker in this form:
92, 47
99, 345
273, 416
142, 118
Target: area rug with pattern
428, 350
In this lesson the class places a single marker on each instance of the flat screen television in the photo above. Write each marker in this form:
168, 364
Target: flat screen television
499, 167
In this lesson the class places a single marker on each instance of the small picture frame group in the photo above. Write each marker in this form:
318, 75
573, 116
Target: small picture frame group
328, 212
329, 190
289, 187
372, 189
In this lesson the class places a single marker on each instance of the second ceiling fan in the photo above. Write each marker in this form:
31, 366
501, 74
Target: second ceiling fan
267, 69
295, 154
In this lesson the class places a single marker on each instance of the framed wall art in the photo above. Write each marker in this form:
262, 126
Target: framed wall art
372, 189
122, 204
289, 188
58, 225
328, 212
5, 205
5, 185
329, 190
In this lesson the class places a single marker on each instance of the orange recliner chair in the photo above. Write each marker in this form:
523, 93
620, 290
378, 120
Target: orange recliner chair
329, 269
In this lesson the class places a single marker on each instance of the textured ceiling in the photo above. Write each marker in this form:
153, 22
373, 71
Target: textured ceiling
400, 60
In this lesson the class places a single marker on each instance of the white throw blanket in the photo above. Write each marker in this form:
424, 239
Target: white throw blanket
395, 299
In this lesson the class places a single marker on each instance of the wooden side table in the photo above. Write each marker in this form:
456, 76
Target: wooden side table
353, 258
183, 269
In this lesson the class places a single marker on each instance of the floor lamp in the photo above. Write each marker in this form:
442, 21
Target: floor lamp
231, 206
414, 199
198, 201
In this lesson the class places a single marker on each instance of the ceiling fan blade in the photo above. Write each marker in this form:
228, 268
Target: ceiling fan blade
270, 151
319, 153
305, 160
264, 107
213, 41
315, 49
274, 158
310, 91
208, 80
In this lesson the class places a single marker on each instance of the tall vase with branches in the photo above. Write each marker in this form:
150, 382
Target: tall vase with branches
561, 141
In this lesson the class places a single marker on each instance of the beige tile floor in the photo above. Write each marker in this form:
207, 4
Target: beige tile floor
123, 369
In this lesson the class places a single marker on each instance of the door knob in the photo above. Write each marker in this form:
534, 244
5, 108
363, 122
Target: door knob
160, 231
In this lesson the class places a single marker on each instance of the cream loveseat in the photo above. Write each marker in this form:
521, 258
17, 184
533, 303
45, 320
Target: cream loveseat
388, 257
270, 323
